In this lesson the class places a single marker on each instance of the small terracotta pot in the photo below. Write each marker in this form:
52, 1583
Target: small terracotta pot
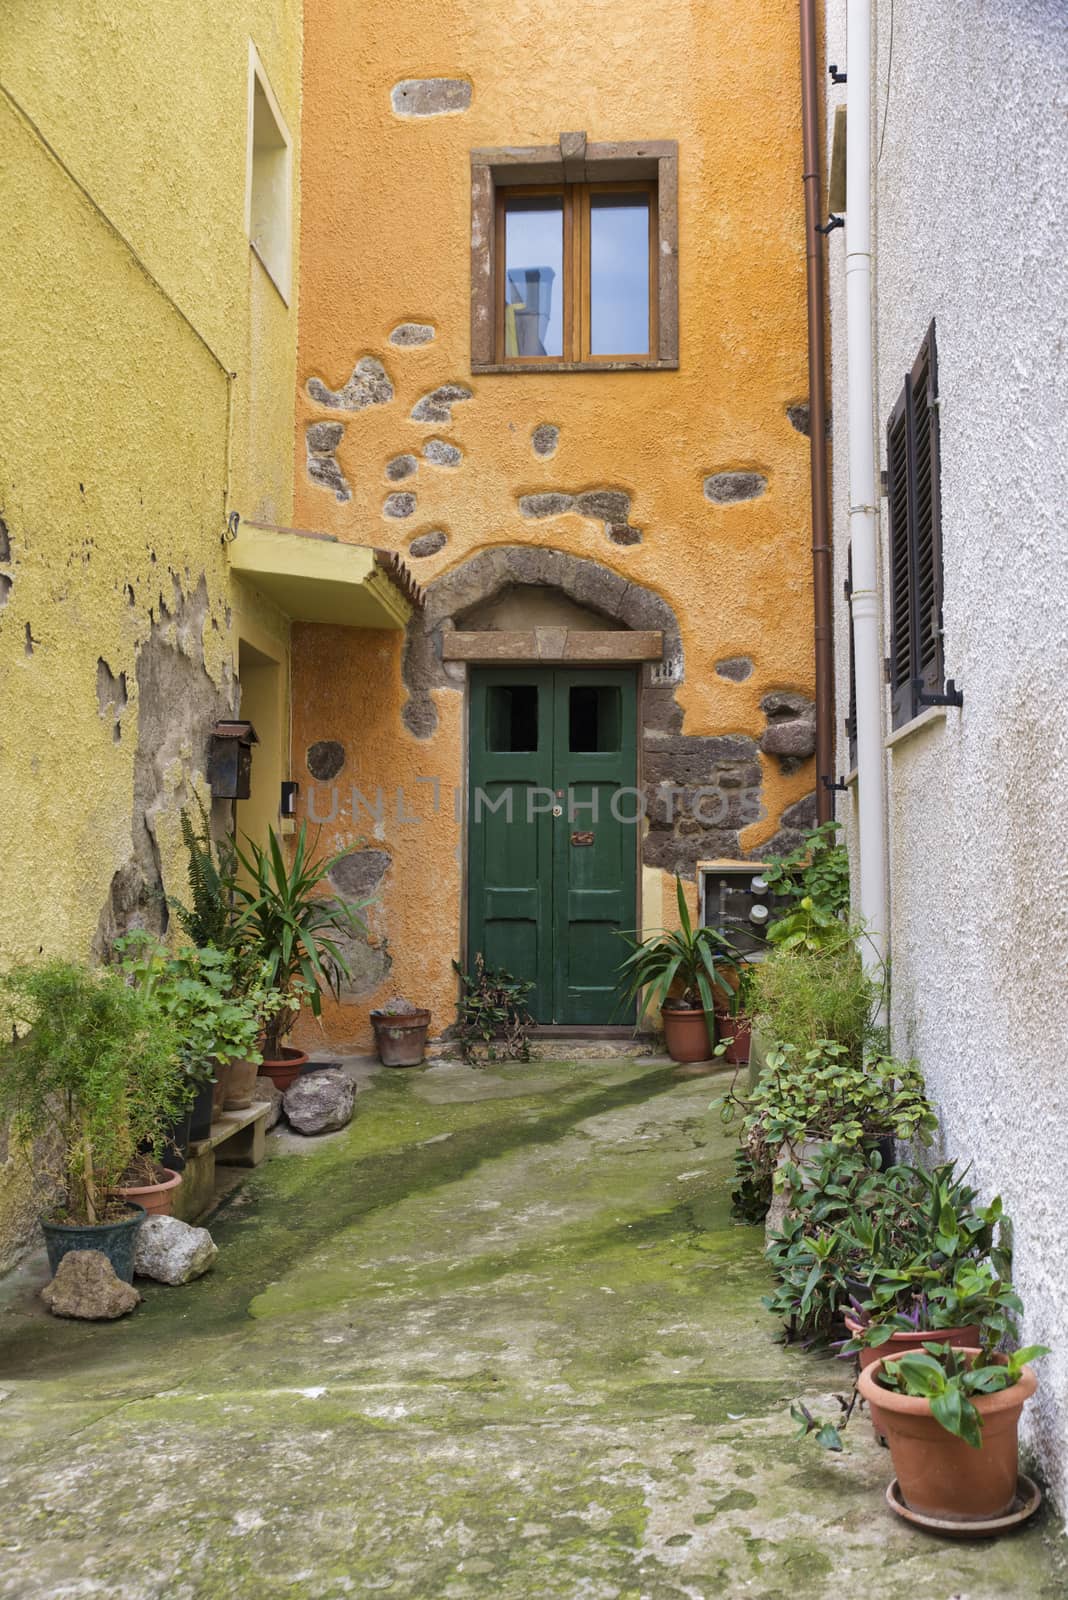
242, 1081
400, 1037
900, 1344
940, 1475
740, 1032
157, 1198
686, 1034
220, 1089
285, 1069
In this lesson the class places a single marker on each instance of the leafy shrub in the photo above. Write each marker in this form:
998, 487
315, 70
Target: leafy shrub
816, 877
91, 1073
197, 990
492, 1013
802, 996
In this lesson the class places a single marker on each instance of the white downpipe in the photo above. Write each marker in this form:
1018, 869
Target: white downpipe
863, 494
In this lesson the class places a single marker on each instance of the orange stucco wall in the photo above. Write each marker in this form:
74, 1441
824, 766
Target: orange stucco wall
385, 236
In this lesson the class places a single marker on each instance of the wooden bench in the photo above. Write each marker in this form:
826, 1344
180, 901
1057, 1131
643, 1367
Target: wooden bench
237, 1139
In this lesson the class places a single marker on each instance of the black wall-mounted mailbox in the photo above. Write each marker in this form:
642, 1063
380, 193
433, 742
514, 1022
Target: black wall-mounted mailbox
230, 760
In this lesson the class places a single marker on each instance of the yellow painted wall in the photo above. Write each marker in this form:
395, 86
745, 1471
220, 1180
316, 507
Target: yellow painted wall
385, 239
130, 295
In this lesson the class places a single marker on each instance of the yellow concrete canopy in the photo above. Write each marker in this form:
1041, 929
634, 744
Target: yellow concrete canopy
314, 577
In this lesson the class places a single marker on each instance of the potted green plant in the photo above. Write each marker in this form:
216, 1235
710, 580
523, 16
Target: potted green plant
679, 972
951, 1419
400, 1032
492, 1020
289, 927
89, 1072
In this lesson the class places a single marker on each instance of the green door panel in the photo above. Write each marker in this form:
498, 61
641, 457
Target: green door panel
547, 894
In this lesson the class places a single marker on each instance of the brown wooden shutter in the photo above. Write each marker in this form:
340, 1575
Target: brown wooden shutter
912, 477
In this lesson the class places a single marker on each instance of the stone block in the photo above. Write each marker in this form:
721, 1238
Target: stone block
320, 1102
430, 97
85, 1287
170, 1251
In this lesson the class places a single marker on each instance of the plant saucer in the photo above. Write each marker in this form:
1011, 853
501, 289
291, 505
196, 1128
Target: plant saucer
1027, 1501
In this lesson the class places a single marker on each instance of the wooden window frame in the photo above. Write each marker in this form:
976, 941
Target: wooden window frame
576, 170
917, 655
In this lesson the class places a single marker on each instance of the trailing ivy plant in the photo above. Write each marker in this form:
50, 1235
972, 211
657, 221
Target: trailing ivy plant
816, 877
492, 1017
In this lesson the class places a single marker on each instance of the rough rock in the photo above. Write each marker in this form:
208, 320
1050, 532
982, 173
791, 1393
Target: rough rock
607, 505
406, 334
85, 1286
266, 1089
325, 759
437, 405
723, 488
321, 440
791, 730
544, 439
551, 504
430, 97
736, 668
623, 533
428, 544
401, 467
172, 1251
369, 385
358, 873
442, 454
399, 505
320, 1102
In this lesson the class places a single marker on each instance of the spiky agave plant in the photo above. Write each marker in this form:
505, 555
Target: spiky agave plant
692, 958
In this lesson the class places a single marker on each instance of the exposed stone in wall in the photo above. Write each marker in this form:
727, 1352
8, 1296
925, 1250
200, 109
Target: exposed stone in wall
406, 334
700, 792
321, 440
30, 641
798, 415
442, 454
724, 488
795, 822
736, 668
608, 506
791, 729
544, 439
111, 696
369, 385
5, 589
401, 467
399, 505
325, 759
428, 544
437, 405
177, 706
368, 963
430, 97
5, 542
357, 875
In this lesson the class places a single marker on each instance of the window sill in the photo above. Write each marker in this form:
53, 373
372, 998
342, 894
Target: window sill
925, 719
536, 368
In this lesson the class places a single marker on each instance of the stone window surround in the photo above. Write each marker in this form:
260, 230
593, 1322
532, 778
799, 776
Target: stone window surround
572, 160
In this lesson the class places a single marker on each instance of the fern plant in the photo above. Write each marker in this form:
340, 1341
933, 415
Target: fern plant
212, 870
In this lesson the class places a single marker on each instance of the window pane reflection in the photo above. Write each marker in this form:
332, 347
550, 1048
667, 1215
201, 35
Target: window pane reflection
619, 275
534, 276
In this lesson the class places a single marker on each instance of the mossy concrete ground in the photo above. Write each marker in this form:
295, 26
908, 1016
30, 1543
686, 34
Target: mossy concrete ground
498, 1338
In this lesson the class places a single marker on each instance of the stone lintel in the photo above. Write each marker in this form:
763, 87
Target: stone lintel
555, 644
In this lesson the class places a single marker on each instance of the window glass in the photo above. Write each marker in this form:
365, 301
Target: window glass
595, 719
512, 717
619, 274
534, 276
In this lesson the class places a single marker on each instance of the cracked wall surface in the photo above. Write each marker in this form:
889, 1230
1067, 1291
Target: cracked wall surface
586, 485
118, 638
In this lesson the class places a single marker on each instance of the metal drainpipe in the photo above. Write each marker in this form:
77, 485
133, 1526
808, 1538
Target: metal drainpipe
863, 502
811, 79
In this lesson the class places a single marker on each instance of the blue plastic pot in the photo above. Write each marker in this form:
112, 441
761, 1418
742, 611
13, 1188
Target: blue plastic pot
116, 1240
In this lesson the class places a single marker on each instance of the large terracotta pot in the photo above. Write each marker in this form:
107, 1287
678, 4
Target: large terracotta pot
400, 1037
900, 1344
241, 1082
686, 1034
157, 1198
940, 1475
285, 1069
220, 1089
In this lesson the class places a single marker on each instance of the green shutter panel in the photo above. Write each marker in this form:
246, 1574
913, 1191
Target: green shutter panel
901, 593
927, 541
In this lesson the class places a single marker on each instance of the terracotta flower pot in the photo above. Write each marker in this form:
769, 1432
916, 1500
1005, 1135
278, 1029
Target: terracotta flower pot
220, 1089
241, 1082
400, 1037
285, 1069
157, 1198
686, 1034
740, 1031
940, 1475
900, 1344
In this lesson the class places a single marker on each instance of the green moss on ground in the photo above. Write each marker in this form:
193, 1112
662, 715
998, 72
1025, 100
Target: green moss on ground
501, 1338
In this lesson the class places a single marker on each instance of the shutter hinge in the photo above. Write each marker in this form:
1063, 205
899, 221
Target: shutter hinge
884, 482
952, 696
888, 668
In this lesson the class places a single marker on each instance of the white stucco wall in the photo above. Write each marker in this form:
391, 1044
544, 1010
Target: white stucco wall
970, 229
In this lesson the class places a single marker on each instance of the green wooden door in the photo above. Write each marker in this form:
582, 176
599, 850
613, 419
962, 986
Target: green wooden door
552, 846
